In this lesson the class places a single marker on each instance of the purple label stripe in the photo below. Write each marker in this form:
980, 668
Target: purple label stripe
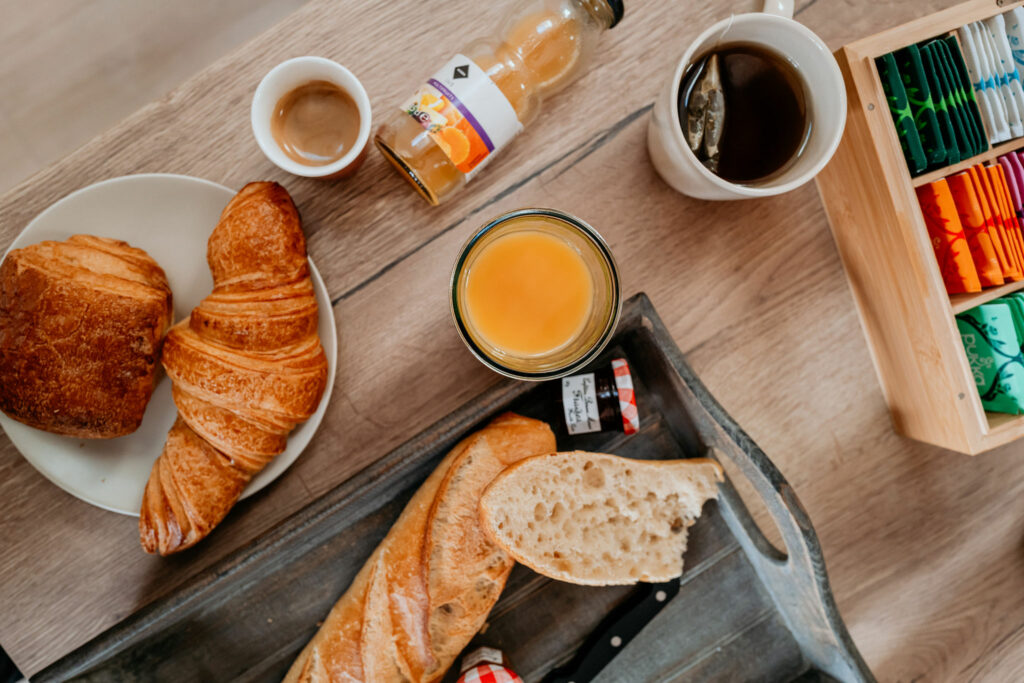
465, 112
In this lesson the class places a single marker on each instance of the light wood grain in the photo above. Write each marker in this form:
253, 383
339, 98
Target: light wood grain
891, 266
923, 546
985, 157
887, 252
70, 70
965, 302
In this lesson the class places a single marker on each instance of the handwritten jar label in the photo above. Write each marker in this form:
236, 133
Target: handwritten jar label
579, 400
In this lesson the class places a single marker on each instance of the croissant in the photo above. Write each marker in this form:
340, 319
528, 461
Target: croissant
247, 367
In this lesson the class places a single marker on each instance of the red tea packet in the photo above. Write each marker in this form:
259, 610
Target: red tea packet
948, 238
972, 219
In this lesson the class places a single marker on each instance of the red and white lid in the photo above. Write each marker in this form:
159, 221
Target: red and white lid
627, 398
490, 673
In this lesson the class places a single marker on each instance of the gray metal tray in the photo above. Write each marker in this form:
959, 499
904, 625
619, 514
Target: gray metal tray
744, 611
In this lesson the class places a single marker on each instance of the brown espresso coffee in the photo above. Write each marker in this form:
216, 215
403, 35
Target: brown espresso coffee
758, 115
316, 124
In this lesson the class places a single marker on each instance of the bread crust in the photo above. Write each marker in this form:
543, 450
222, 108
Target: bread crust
247, 367
417, 582
81, 327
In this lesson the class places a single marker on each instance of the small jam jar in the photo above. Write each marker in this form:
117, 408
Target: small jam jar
600, 401
487, 665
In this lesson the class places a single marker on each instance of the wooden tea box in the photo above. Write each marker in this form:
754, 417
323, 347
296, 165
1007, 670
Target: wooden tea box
908, 317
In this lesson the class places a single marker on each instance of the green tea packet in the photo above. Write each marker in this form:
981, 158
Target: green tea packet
1016, 303
944, 97
919, 94
993, 349
903, 118
974, 138
967, 91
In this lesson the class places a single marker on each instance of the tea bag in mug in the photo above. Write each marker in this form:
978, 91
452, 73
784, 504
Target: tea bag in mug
705, 111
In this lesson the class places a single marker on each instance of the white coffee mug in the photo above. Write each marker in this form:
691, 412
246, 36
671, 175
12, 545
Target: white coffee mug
775, 30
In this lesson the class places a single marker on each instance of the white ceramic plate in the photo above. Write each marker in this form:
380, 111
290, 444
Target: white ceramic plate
171, 217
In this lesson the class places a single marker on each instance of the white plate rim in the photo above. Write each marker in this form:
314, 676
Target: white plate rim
330, 348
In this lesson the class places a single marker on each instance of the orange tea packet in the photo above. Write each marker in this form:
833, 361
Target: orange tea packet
948, 239
1011, 266
1005, 214
972, 219
1010, 220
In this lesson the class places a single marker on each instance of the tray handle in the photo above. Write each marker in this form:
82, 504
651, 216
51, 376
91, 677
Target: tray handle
797, 580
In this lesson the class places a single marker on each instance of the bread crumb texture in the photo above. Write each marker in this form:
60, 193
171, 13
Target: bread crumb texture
598, 519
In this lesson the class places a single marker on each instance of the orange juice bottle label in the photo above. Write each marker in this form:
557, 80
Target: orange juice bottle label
465, 113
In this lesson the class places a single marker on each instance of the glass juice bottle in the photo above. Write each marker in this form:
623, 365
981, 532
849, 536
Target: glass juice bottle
477, 102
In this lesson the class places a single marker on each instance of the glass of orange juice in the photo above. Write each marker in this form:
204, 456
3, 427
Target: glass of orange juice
535, 294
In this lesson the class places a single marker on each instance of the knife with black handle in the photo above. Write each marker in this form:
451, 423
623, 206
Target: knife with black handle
615, 632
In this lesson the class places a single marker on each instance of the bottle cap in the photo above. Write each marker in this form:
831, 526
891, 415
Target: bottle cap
617, 11
627, 398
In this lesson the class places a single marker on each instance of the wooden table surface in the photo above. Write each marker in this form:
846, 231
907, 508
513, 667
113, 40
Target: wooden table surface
925, 548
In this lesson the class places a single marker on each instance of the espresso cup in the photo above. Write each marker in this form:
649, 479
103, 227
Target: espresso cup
284, 78
825, 93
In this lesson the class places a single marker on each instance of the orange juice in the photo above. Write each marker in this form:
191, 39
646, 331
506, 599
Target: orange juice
528, 293
535, 294
490, 90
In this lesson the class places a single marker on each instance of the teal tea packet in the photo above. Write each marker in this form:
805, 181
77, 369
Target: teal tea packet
967, 92
902, 117
919, 94
959, 101
1016, 303
993, 349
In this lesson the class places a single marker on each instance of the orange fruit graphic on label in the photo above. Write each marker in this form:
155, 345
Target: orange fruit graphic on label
429, 100
455, 144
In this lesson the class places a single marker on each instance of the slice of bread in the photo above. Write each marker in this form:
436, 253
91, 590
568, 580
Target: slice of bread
597, 519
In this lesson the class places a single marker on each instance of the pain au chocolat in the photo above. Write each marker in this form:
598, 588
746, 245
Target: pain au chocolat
81, 323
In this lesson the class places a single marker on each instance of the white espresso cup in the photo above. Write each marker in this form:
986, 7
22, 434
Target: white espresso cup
289, 75
825, 94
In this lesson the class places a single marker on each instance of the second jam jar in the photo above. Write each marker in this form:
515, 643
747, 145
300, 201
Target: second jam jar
483, 97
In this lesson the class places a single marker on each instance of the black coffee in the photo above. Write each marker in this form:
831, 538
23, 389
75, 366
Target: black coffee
744, 112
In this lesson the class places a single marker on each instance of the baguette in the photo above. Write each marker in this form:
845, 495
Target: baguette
596, 519
428, 587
